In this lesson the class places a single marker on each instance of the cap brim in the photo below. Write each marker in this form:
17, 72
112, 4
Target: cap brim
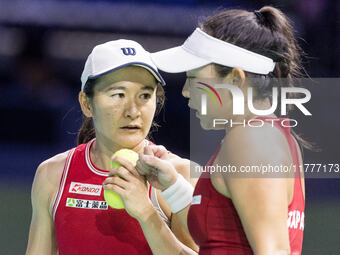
177, 60
152, 70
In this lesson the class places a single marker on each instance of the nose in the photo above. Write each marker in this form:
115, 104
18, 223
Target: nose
185, 90
131, 110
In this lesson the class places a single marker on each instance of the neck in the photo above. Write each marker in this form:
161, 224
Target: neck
102, 151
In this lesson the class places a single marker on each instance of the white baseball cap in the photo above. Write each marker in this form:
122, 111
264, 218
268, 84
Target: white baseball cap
201, 49
113, 55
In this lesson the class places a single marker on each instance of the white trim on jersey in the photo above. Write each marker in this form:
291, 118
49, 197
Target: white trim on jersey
89, 162
155, 203
62, 183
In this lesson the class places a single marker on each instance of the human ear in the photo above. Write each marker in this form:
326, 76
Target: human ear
85, 104
237, 76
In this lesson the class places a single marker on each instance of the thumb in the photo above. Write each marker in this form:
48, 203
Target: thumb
159, 166
160, 169
155, 162
148, 164
148, 151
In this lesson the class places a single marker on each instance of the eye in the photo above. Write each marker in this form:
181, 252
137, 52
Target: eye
145, 95
118, 95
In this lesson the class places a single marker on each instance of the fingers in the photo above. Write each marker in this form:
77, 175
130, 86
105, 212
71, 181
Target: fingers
150, 165
157, 150
126, 164
142, 167
126, 175
151, 151
111, 182
121, 172
148, 150
152, 161
115, 188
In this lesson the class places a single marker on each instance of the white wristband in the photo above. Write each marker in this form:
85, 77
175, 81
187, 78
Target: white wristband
178, 195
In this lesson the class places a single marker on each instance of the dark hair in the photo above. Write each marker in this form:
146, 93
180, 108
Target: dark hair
87, 131
267, 32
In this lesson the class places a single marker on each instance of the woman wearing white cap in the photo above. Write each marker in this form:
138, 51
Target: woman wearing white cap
120, 93
244, 51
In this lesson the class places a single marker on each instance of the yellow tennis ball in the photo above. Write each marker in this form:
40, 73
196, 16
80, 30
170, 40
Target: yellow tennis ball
112, 198
125, 153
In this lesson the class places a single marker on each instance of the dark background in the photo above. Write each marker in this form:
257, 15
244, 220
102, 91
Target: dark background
43, 47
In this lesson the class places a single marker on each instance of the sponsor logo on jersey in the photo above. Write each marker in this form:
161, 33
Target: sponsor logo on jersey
85, 189
86, 204
196, 200
296, 220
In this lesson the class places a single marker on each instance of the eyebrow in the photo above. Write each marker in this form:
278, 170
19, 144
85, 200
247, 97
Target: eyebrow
115, 88
146, 87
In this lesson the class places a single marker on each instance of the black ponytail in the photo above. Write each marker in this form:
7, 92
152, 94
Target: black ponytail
87, 132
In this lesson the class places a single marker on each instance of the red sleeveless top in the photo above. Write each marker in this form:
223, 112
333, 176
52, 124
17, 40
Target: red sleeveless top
84, 223
215, 226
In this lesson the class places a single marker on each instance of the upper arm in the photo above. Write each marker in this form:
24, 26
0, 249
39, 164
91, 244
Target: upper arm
41, 235
41, 239
181, 233
261, 203
262, 207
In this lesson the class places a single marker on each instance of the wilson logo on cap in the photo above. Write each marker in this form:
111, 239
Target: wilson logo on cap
129, 51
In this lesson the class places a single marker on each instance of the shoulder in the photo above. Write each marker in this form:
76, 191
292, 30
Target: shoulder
256, 147
51, 167
258, 136
252, 151
47, 178
266, 144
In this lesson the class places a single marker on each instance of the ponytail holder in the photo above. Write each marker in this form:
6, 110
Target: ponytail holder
260, 16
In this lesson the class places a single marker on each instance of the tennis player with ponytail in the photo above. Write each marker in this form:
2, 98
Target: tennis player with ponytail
120, 93
226, 215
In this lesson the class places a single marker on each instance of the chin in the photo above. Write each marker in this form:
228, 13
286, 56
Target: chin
130, 141
206, 125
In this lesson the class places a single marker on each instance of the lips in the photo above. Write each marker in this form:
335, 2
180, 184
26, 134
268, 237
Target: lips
191, 106
131, 127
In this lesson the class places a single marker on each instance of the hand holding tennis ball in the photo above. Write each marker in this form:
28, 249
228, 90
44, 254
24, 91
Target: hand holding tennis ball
112, 198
